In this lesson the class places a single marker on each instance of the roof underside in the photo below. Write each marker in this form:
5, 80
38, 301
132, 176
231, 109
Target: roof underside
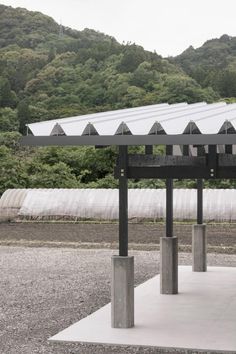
160, 119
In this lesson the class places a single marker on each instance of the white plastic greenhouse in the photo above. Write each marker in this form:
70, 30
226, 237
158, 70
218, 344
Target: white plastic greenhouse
102, 204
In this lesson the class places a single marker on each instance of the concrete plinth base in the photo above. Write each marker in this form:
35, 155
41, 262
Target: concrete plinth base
169, 265
199, 249
122, 292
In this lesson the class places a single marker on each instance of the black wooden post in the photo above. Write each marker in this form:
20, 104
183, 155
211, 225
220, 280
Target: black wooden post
123, 201
212, 160
169, 244
122, 284
199, 238
199, 201
185, 150
169, 199
228, 149
200, 152
148, 149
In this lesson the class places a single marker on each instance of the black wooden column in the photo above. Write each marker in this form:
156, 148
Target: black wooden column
185, 150
199, 239
148, 149
200, 184
123, 201
199, 201
229, 149
169, 199
212, 160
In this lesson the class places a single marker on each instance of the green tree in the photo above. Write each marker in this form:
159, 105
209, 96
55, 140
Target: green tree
58, 175
143, 75
133, 55
227, 83
23, 114
86, 163
51, 54
10, 140
12, 172
8, 120
7, 97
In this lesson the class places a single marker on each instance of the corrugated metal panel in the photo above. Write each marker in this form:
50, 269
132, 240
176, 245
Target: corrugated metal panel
161, 118
219, 204
83, 126
113, 125
79, 123
211, 124
140, 123
46, 127
172, 122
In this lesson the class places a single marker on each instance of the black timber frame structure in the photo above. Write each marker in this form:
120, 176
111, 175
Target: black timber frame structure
206, 163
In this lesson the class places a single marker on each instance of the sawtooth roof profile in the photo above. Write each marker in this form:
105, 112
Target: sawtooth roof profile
181, 123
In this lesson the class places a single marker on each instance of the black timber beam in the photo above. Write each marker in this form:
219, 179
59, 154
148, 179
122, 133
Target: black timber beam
140, 160
179, 172
228, 172
102, 140
163, 172
184, 167
226, 160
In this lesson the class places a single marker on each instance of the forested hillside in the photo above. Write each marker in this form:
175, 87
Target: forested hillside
48, 71
213, 64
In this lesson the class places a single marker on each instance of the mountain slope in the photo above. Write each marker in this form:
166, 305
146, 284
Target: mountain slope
213, 64
47, 71
30, 29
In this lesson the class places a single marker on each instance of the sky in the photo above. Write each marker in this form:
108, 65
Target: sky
166, 26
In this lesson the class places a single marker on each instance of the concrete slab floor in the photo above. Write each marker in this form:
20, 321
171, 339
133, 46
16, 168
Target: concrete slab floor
202, 316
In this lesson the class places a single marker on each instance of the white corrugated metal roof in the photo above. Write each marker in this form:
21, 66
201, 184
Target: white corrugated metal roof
154, 119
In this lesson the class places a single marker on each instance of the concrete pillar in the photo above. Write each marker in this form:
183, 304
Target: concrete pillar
122, 292
169, 265
199, 249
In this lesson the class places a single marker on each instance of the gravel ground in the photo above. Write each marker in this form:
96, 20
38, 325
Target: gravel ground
44, 290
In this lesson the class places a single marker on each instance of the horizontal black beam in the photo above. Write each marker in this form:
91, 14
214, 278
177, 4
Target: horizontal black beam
96, 140
179, 172
182, 167
140, 160
164, 172
228, 172
226, 160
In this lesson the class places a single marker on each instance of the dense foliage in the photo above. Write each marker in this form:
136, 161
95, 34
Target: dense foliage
47, 72
213, 64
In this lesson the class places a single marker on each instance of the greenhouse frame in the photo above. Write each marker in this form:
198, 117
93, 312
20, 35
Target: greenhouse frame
200, 142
